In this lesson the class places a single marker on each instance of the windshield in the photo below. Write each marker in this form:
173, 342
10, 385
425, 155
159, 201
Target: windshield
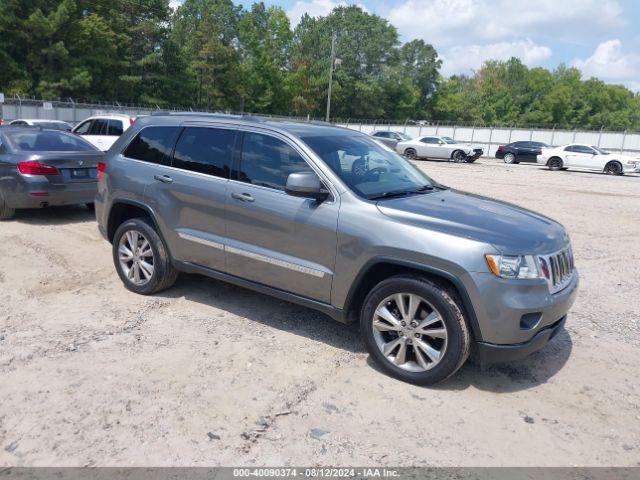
448, 140
404, 136
367, 168
47, 141
599, 151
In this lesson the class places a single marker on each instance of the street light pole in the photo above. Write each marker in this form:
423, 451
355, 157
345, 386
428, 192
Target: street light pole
331, 67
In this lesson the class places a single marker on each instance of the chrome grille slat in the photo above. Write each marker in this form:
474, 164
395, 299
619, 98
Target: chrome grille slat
561, 265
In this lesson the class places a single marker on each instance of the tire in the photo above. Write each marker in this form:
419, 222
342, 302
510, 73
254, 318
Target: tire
510, 158
613, 168
90, 206
162, 275
6, 212
411, 154
437, 306
555, 163
458, 156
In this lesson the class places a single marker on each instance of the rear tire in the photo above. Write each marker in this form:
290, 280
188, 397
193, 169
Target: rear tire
510, 158
141, 258
6, 212
411, 154
613, 168
427, 358
555, 163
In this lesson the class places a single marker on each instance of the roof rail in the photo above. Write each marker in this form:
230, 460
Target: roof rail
206, 114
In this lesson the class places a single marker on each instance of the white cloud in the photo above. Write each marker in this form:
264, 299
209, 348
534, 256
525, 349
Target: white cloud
611, 63
463, 59
175, 3
315, 8
448, 22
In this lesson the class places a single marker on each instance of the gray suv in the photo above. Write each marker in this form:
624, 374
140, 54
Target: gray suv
328, 218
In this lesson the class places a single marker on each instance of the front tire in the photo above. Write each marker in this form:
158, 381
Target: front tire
141, 259
414, 330
459, 156
6, 212
613, 168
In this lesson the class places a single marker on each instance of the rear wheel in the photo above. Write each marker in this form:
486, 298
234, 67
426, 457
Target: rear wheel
555, 163
6, 212
510, 158
414, 330
141, 259
613, 168
458, 156
411, 154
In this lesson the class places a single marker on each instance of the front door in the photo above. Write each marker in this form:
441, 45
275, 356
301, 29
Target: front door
274, 238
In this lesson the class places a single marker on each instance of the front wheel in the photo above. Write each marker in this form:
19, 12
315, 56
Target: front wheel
459, 156
414, 330
613, 168
141, 259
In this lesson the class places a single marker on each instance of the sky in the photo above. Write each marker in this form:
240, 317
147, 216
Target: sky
600, 37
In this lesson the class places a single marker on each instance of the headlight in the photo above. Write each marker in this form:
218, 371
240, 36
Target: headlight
513, 266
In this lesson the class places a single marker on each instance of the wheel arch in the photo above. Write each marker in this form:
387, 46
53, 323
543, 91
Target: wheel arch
123, 210
381, 268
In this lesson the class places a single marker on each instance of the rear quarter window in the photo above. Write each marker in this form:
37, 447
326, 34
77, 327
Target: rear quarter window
153, 145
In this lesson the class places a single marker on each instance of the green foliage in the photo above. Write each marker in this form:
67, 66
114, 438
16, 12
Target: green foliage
217, 55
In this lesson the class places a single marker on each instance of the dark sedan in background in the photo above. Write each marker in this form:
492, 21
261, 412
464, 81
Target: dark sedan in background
517, 152
390, 138
40, 168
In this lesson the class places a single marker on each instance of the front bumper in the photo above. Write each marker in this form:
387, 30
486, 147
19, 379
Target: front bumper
475, 154
490, 353
627, 168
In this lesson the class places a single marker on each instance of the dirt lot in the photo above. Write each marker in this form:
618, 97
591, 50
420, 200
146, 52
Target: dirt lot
211, 374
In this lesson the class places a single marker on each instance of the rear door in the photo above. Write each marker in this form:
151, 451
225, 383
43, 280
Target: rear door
191, 194
274, 238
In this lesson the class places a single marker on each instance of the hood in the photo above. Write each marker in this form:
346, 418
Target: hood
509, 228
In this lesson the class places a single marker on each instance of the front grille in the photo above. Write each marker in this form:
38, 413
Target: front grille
560, 267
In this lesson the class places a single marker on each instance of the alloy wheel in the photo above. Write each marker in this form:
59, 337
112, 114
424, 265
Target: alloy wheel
459, 157
136, 257
409, 332
509, 158
411, 154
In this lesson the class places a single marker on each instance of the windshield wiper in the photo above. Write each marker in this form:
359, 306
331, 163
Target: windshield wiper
402, 193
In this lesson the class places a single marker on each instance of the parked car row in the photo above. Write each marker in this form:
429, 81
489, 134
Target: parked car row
429, 147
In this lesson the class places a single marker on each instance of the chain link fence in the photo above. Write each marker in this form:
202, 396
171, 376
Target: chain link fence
486, 136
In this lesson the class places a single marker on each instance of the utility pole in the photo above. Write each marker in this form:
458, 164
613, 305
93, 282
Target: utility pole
331, 67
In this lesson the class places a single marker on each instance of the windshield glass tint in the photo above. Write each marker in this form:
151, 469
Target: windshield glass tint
404, 136
367, 168
600, 151
47, 141
448, 140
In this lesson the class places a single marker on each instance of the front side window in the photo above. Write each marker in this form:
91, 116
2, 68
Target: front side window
47, 141
367, 168
205, 150
267, 161
153, 144
430, 140
381, 134
83, 128
583, 149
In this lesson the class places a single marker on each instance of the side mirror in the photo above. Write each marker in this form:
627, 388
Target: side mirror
306, 185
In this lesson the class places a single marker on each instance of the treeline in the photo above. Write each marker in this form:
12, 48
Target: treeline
216, 55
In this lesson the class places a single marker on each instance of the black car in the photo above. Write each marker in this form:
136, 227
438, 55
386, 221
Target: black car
517, 152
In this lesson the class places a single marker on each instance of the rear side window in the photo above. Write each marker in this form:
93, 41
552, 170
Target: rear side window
153, 144
268, 161
205, 150
115, 128
99, 127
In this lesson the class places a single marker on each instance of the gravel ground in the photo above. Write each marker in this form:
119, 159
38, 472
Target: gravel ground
211, 374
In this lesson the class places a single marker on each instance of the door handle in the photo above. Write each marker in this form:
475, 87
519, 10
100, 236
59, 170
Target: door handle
243, 197
163, 178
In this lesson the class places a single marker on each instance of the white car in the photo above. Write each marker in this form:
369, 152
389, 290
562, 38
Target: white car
588, 157
441, 148
103, 130
44, 123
